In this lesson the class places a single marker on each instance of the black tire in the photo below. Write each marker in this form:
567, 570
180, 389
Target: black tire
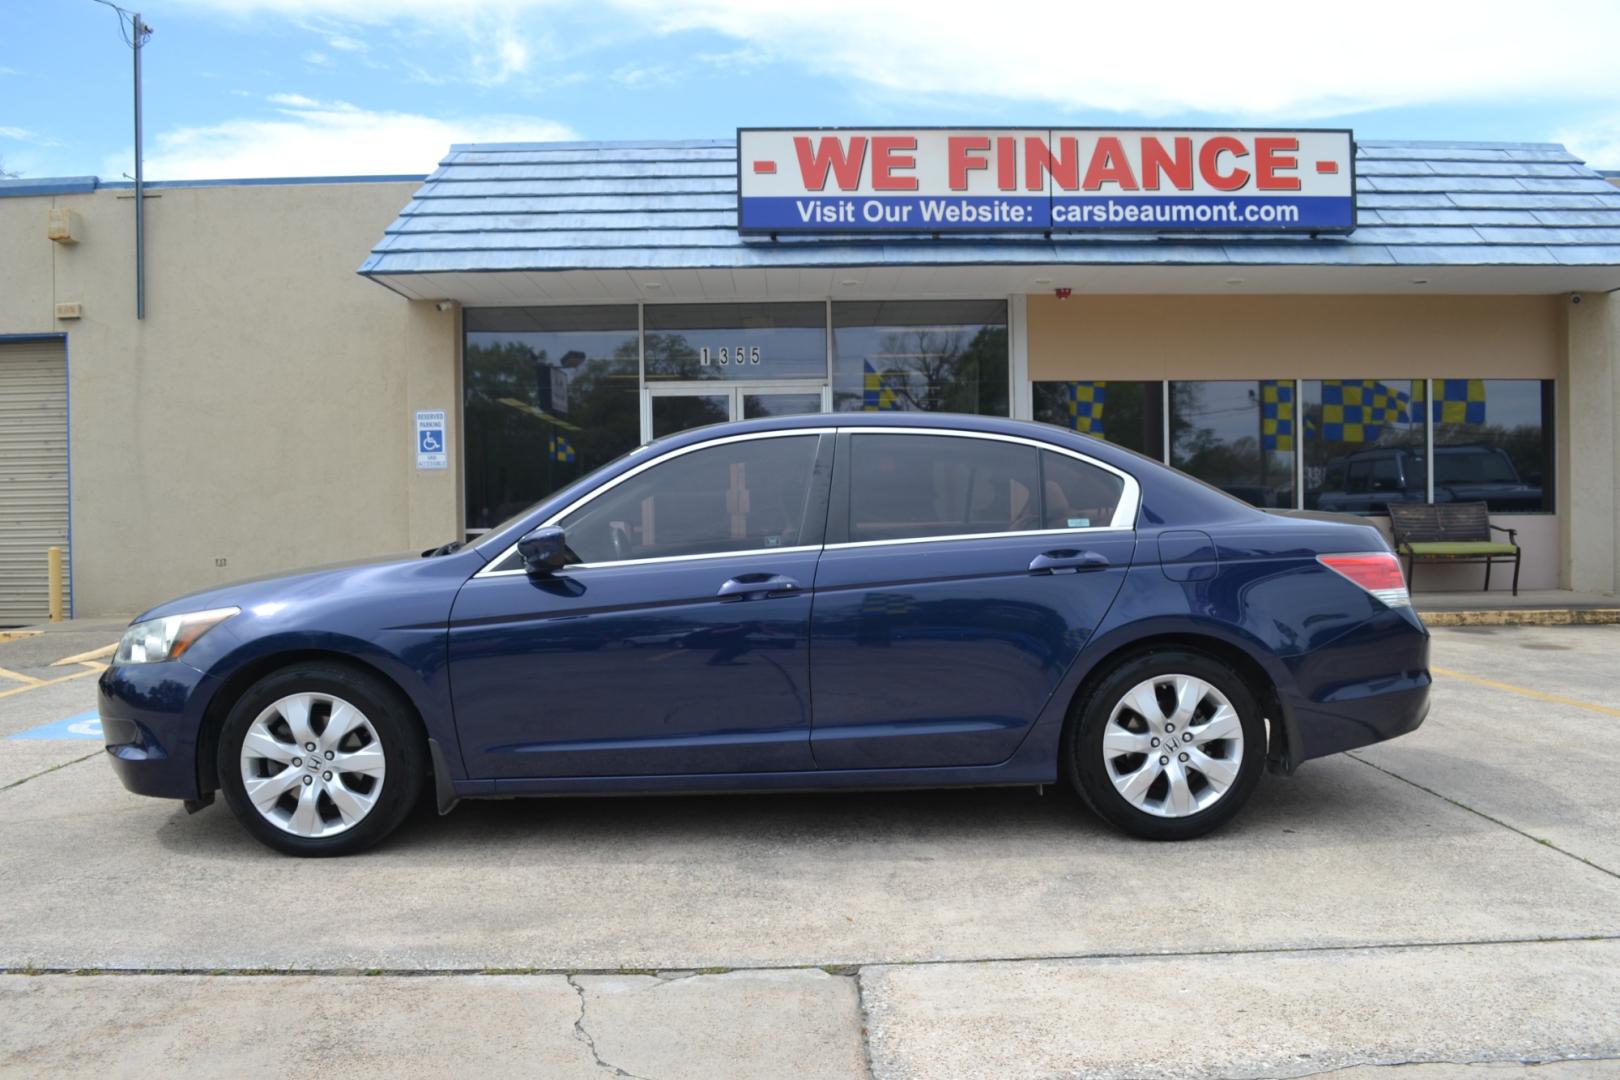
1087, 765
397, 730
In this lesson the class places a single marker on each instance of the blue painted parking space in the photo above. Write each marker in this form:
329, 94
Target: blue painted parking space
85, 726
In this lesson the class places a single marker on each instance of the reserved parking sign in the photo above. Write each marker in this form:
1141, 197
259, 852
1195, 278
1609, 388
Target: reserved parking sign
1045, 180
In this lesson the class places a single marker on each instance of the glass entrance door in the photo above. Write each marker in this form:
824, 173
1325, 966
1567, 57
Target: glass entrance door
671, 408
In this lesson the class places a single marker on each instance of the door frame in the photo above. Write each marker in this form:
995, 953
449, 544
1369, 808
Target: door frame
733, 391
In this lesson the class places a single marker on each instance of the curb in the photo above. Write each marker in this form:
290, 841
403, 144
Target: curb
1526, 617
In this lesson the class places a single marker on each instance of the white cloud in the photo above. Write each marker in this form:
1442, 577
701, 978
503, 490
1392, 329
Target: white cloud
319, 59
23, 135
311, 138
1263, 59
1258, 58
1598, 141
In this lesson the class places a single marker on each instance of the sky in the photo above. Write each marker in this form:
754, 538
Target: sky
254, 88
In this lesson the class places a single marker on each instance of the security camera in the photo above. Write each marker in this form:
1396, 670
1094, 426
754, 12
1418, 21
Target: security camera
1574, 298
444, 305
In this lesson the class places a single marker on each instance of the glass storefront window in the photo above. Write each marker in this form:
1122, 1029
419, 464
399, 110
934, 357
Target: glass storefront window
1364, 444
1493, 441
1128, 414
1238, 436
736, 341
548, 395
920, 356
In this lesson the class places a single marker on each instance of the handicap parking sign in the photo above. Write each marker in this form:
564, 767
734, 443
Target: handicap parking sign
431, 452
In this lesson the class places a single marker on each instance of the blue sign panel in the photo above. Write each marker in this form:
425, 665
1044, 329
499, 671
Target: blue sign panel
1045, 180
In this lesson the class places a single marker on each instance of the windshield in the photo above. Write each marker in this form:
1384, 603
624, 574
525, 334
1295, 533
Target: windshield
586, 479
1474, 466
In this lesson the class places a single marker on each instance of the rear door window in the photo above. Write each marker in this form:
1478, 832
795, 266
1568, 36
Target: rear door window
917, 486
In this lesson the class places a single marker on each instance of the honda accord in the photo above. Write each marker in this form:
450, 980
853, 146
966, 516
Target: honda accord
823, 602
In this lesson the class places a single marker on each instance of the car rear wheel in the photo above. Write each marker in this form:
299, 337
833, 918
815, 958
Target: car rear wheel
320, 759
1168, 746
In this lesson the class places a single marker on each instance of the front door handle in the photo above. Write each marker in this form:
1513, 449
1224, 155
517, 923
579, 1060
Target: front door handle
757, 586
1067, 561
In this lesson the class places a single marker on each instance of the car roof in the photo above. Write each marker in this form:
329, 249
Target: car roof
923, 421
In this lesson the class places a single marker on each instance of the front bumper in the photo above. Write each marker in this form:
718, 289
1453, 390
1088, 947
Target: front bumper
1370, 685
151, 717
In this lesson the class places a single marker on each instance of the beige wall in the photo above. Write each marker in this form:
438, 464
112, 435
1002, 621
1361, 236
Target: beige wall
261, 416
1328, 337
1305, 337
1590, 452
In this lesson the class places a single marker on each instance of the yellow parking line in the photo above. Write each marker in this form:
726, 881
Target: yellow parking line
93, 654
50, 682
7, 673
1525, 691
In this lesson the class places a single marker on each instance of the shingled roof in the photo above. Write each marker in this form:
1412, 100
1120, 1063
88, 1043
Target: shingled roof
635, 205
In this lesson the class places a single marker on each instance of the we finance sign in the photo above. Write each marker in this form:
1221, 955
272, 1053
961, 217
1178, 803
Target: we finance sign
996, 180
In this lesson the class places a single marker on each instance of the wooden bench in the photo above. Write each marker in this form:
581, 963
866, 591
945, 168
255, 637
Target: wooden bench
1458, 532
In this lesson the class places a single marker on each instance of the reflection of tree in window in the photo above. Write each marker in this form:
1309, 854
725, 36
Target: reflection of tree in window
939, 369
1216, 435
534, 424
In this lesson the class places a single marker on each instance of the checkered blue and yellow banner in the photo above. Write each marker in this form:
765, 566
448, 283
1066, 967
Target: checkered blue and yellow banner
1358, 410
877, 392
561, 449
1083, 407
1459, 401
1277, 415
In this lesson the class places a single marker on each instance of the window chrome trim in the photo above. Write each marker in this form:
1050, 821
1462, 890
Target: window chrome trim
680, 451
1090, 530
1124, 519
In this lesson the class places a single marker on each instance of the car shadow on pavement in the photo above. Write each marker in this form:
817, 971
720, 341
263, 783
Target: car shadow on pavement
1318, 805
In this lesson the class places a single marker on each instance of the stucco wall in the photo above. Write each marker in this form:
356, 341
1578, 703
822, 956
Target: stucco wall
1306, 337
260, 417
1331, 337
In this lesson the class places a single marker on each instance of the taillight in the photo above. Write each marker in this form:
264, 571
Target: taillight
1377, 572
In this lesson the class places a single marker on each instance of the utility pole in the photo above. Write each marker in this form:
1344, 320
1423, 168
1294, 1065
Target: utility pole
136, 33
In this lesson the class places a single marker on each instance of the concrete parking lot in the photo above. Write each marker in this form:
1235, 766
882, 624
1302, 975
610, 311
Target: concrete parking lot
1447, 904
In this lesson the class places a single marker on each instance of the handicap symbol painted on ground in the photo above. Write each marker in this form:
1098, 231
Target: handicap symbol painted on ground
432, 441
85, 725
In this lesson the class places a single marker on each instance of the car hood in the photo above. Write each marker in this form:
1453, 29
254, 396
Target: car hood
308, 583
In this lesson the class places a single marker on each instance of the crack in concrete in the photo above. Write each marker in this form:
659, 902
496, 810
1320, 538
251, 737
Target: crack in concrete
47, 772
581, 1035
1480, 813
866, 1024
26, 968
1482, 1063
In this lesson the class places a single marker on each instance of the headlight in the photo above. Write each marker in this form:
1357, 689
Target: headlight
167, 638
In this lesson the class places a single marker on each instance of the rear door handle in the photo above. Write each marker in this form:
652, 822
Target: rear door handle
757, 586
1067, 561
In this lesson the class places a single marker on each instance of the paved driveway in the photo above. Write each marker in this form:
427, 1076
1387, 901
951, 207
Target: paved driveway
1452, 897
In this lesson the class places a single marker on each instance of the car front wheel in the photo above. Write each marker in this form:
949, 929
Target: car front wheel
320, 759
1168, 746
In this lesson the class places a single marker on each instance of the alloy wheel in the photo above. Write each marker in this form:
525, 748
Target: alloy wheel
312, 765
1173, 745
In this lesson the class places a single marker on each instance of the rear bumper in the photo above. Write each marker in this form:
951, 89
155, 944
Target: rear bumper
151, 715
1370, 685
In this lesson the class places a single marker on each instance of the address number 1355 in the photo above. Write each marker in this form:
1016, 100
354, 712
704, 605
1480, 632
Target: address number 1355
726, 357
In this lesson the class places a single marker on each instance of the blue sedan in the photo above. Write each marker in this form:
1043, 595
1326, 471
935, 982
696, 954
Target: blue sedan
819, 602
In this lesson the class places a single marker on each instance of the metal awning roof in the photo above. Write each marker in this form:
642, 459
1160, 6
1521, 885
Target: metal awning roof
539, 222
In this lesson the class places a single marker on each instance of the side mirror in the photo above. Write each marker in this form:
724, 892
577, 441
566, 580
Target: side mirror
544, 551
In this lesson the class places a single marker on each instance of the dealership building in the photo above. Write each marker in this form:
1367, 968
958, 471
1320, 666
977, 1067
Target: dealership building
339, 367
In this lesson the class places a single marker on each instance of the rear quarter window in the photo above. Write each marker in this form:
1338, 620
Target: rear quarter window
1078, 495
